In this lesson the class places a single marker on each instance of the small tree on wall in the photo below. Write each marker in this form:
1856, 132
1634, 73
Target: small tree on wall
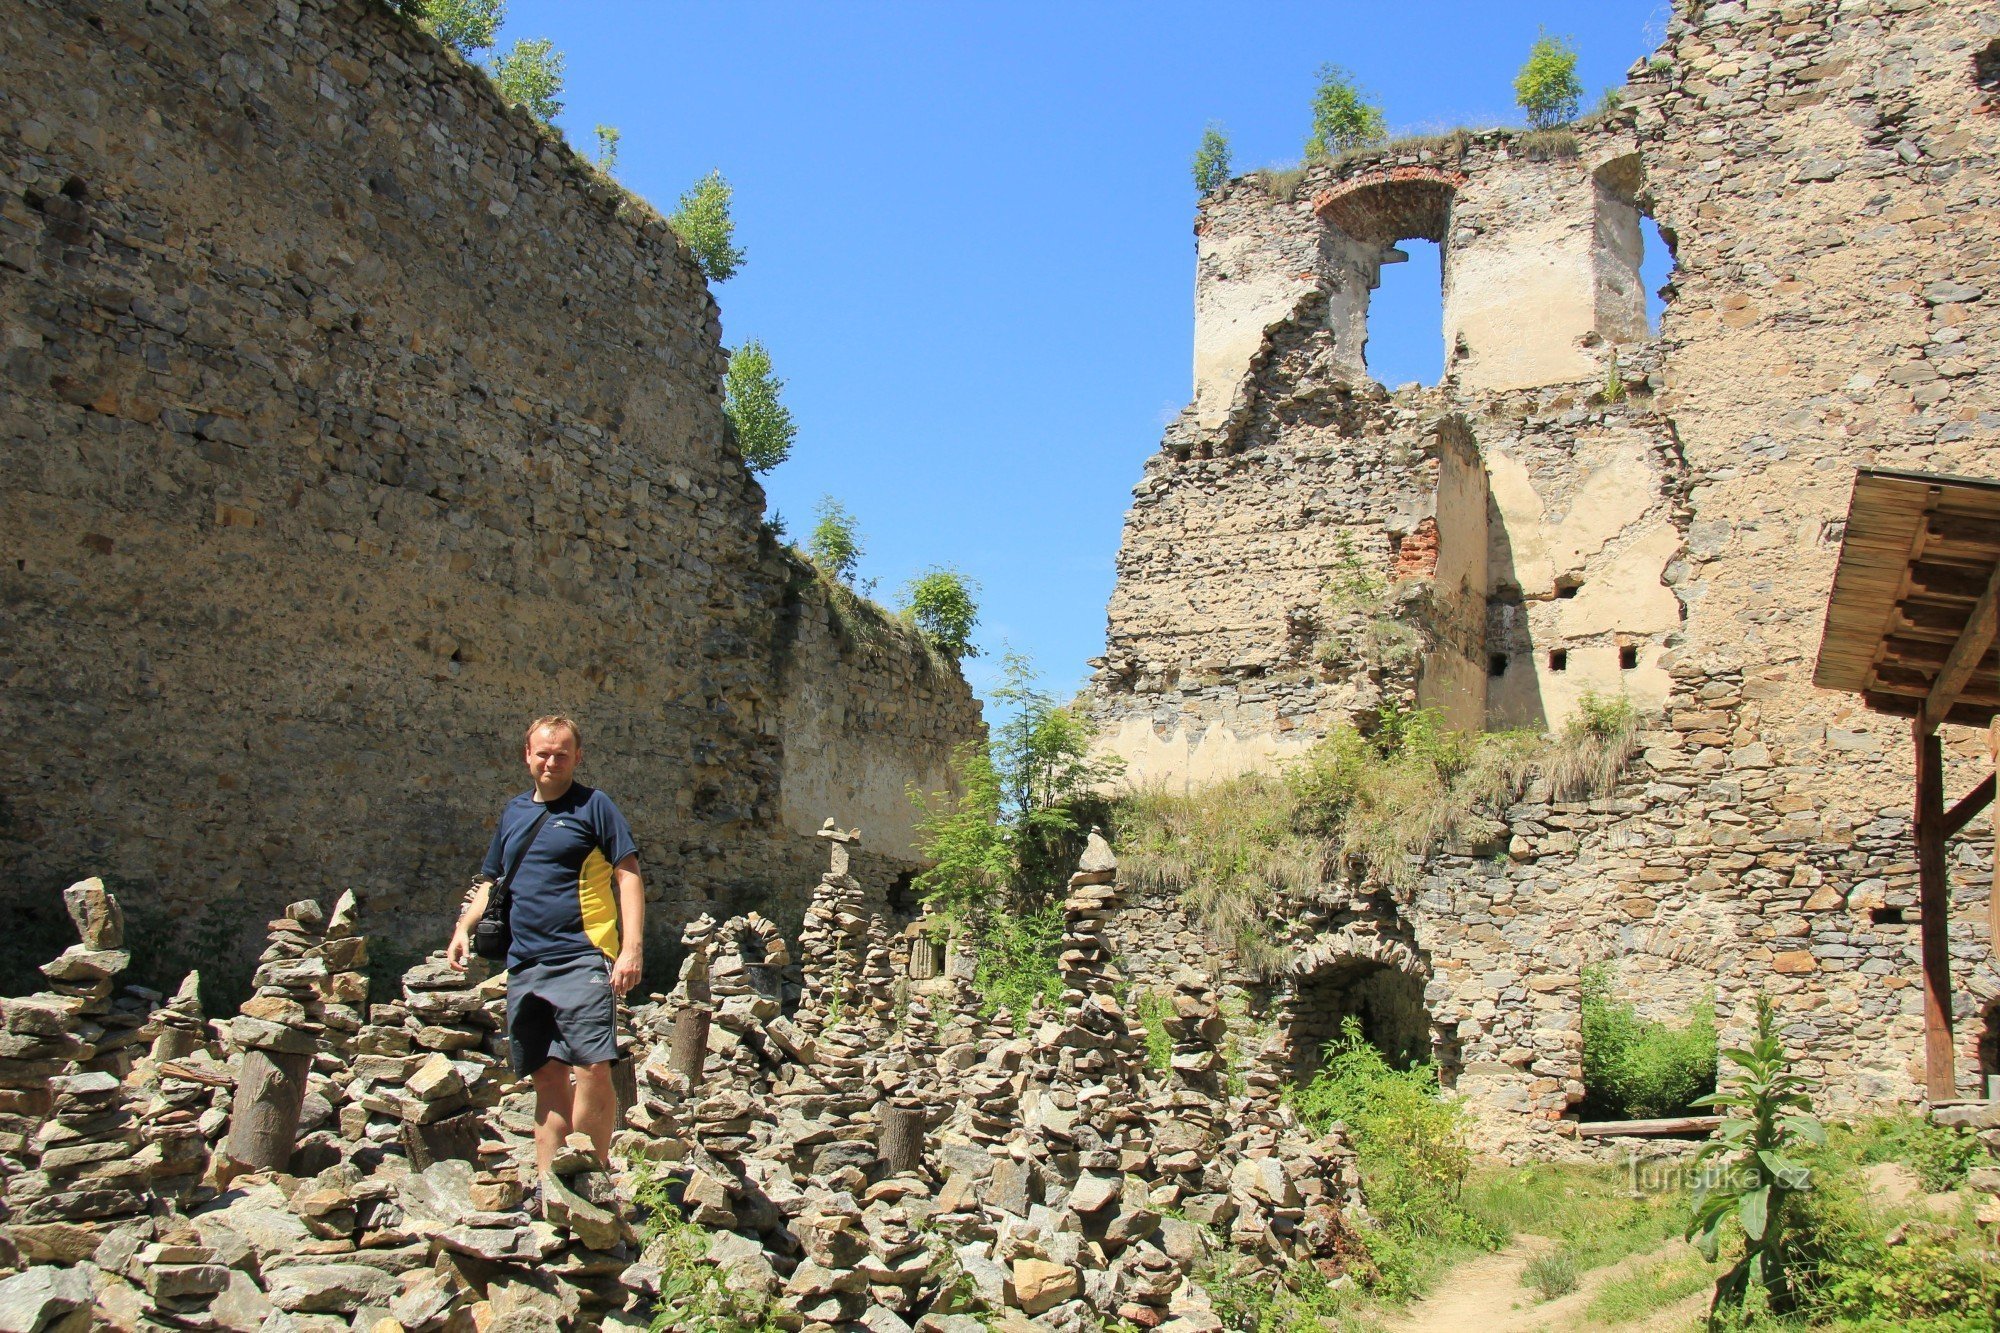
703, 223
835, 543
466, 26
941, 602
751, 400
1343, 117
531, 74
1547, 87
1211, 161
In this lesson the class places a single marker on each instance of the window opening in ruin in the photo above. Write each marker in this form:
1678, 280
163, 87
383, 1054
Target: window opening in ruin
1567, 588
1406, 316
1628, 658
1559, 659
903, 895
1656, 269
1887, 916
1386, 1002
1496, 665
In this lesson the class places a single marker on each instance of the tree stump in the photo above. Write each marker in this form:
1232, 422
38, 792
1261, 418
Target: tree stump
625, 1082
264, 1121
900, 1141
689, 1049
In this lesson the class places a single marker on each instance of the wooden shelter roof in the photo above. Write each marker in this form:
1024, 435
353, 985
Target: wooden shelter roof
1909, 626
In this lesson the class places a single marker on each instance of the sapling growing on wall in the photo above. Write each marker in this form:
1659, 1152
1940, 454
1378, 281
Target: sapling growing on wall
466, 26
835, 541
1342, 115
531, 75
752, 399
607, 148
1211, 161
1547, 87
942, 603
703, 223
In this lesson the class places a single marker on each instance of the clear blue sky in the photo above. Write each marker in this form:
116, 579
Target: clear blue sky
969, 235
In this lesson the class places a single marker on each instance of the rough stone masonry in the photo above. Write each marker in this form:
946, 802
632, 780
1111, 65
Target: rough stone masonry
1583, 506
349, 422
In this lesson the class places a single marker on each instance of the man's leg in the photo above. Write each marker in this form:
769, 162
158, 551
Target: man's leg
596, 1111
555, 1111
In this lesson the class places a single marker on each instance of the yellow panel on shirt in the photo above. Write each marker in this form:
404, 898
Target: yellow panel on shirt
600, 903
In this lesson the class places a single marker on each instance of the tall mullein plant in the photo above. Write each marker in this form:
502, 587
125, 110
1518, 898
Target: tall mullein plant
1749, 1178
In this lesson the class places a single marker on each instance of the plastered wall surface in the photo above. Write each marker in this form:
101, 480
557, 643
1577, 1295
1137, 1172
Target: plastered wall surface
1666, 513
348, 423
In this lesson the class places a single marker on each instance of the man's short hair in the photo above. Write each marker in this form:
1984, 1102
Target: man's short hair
551, 721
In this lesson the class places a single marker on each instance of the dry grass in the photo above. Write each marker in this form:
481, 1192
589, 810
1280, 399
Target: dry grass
1546, 145
1369, 809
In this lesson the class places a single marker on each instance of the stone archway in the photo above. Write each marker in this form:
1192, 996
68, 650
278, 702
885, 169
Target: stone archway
1378, 982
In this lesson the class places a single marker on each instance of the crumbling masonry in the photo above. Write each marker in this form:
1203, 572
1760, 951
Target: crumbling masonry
1582, 506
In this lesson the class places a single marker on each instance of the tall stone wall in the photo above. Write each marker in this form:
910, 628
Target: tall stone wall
1664, 517
350, 421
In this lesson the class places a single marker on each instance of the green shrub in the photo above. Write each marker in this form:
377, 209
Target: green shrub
1211, 161
943, 604
466, 26
1018, 960
1547, 87
694, 1295
1550, 1274
1637, 1068
703, 222
1410, 1143
607, 148
1342, 115
752, 400
1939, 1155
1152, 1008
530, 74
1856, 1267
835, 542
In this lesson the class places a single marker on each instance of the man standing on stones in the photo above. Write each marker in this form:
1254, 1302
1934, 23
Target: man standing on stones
570, 955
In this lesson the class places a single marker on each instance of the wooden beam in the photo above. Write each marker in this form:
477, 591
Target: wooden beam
1969, 805
1993, 893
1685, 1124
1934, 903
1972, 644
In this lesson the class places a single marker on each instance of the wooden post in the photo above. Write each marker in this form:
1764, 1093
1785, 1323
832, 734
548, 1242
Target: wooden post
264, 1121
1993, 895
1934, 903
689, 1051
454, 1136
900, 1141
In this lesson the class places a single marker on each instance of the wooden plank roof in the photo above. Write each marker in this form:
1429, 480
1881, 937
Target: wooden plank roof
1918, 553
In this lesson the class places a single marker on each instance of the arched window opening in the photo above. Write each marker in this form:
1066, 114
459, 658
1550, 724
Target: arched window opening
1387, 1003
1406, 316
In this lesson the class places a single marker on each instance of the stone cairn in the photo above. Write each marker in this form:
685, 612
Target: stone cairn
859, 1151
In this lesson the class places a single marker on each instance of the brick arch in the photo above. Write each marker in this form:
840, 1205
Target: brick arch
1392, 205
1349, 946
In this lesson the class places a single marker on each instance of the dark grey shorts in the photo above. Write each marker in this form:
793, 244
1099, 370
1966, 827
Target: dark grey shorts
562, 1011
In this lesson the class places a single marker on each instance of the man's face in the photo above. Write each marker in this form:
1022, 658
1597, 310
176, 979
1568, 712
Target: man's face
552, 756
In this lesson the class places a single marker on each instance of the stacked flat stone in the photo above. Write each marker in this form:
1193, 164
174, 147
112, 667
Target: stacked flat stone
876, 992
832, 937
179, 1027
697, 947
345, 990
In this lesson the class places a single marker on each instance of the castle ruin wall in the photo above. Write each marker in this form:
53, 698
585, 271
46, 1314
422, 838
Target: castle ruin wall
350, 421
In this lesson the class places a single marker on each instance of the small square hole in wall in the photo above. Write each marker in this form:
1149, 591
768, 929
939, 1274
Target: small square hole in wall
1559, 659
1628, 657
1887, 916
1567, 588
1496, 665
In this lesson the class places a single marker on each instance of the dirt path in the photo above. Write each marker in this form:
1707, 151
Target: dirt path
1485, 1295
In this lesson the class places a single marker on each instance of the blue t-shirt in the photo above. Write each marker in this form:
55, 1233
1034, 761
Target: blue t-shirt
564, 904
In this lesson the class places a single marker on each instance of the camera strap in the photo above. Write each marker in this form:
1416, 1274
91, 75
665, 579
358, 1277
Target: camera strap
501, 899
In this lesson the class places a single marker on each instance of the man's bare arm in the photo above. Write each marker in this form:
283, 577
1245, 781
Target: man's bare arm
460, 949
625, 971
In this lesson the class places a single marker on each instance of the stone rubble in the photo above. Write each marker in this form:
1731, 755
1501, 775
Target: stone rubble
1043, 1175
